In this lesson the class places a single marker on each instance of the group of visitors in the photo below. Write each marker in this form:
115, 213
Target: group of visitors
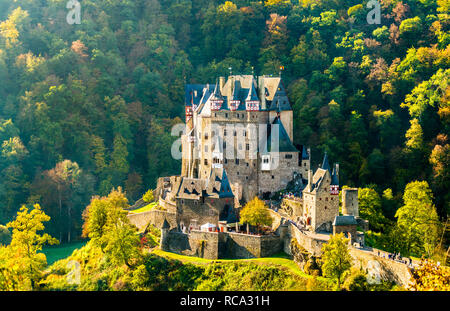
396, 257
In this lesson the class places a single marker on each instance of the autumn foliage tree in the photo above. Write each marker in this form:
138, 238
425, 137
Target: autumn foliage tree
21, 262
256, 213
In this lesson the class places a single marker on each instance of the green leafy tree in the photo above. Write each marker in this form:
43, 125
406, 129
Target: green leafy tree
256, 213
370, 208
336, 259
21, 262
418, 219
148, 196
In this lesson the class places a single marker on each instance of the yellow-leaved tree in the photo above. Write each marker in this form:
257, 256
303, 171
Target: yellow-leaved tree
256, 213
21, 263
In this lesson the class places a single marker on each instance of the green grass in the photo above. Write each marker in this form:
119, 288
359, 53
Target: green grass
280, 259
145, 208
58, 252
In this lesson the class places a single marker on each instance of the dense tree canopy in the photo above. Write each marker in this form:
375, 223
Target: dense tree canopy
104, 94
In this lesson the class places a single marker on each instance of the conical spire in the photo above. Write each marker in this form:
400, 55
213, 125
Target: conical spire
325, 163
335, 176
305, 155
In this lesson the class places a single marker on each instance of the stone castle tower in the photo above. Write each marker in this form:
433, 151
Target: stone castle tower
244, 125
321, 197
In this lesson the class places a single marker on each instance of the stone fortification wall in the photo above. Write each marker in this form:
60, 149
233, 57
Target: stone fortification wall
197, 243
378, 268
239, 245
154, 217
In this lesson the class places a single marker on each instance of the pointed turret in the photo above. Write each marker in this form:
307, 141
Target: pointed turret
305, 155
216, 98
252, 100
325, 163
235, 101
218, 184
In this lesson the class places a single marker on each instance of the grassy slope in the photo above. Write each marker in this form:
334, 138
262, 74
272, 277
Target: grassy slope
57, 252
277, 260
145, 208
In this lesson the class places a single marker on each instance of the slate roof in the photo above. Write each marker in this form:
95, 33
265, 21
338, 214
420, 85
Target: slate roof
218, 184
305, 155
317, 179
334, 178
284, 142
344, 221
244, 88
325, 163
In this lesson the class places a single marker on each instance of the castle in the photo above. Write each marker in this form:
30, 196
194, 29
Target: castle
244, 126
238, 144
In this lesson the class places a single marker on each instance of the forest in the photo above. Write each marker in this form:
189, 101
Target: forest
85, 108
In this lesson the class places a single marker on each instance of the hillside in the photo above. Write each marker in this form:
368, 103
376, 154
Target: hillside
85, 108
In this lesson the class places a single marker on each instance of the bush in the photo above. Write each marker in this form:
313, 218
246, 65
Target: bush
356, 281
148, 197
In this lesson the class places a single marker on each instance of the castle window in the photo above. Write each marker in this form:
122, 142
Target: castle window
224, 145
247, 147
226, 161
237, 163
226, 115
326, 199
206, 136
245, 133
288, 156
238, 173
225, 132
273, 177
206, 161
234, 133
247, 164
304, 164
246, 177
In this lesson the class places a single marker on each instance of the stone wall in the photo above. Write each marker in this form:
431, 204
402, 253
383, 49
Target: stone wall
197, 243
311, 244
294, 208
155, 217
381, 268
215, 245
377, 268
242, 246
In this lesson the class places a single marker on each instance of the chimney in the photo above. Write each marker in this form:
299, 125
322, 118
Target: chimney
309, 153
262, 93
309, 177
337, 169
221, 84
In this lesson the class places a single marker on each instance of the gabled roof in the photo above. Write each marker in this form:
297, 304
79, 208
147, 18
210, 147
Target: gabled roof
191, 188
193, 94
317, 180
216, 95
218, 184
284, 142
344, 221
